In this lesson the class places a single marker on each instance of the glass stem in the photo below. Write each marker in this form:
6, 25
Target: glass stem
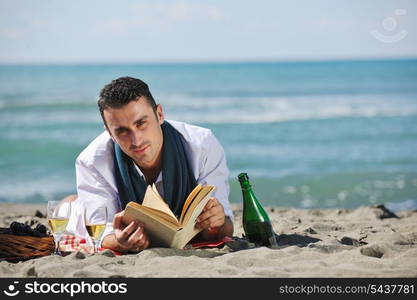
96, 244
57, 237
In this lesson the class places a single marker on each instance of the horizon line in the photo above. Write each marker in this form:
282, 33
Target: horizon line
214, 61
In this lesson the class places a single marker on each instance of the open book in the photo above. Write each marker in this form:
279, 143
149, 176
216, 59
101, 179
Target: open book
163, 228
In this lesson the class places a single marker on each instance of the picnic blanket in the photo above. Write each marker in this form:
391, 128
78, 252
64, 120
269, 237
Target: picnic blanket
71, 243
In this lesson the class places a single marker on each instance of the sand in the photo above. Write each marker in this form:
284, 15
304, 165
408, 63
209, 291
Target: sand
364, 242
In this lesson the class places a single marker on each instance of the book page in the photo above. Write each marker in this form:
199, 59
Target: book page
184, 236
160, 232
160, 215
154, 213
189, 229
204, 194
189, 200
153, 200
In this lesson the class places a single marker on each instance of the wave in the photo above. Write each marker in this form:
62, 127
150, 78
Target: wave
221, 110
343, 190
37, 190
292, 90
280, 109
38, 102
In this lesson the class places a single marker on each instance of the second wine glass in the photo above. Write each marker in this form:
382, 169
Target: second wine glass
95, 222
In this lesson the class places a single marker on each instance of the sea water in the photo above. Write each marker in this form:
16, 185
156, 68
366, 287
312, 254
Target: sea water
309, 134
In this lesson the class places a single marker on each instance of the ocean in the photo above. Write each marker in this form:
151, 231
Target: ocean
325, 134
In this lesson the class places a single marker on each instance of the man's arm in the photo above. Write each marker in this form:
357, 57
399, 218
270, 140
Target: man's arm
214, 171
216, 220
130, 238
213, 221
218, 233
94, 190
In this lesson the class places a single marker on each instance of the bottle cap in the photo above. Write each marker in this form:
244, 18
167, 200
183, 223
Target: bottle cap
243, 177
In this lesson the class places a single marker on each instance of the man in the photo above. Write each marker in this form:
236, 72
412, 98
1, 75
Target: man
140, 148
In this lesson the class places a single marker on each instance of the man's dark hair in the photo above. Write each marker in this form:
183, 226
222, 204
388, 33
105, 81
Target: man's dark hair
121, 91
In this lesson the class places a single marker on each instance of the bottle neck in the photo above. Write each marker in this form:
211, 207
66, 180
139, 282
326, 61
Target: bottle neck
245, 185
252, 209
249, 197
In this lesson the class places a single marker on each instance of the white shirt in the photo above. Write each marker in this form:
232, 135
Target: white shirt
96, 185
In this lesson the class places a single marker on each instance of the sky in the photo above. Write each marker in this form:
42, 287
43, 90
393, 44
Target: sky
107, 31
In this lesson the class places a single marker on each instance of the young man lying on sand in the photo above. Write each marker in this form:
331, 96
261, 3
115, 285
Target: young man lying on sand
174, 155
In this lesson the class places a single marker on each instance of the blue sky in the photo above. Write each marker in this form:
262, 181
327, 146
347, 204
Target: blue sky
153, 31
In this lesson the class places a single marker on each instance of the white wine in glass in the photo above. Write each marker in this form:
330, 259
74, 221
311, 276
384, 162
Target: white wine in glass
58, 213
95, 230
95, 223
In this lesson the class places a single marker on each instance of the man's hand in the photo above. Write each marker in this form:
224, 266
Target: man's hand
213, 221
131, 238
212, 215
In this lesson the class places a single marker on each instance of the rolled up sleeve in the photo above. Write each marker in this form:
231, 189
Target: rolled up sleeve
214, 171
93, 192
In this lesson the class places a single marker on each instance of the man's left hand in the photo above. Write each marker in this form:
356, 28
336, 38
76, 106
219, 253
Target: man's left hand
212, 216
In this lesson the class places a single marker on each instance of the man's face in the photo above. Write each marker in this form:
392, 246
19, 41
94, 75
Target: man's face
137, 130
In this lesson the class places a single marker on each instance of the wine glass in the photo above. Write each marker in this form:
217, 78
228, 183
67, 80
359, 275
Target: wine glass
58, 213
95, 222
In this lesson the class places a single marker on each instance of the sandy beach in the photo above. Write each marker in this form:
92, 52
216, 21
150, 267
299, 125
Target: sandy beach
364, 242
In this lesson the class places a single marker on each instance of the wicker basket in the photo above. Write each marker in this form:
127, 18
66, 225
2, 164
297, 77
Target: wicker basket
16, 248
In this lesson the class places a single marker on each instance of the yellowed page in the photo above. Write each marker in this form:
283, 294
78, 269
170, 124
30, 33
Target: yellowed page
189, 200
156, 214
153, 200
184, 235
160, 232
204, 193
160, 215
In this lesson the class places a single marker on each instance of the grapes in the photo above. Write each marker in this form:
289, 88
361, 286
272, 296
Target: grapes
41, 228
17, 228
36, 233
27, 230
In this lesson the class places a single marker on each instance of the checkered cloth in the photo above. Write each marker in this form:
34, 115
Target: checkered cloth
71, 243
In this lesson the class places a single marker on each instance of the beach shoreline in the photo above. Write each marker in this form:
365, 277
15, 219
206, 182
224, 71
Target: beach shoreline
362, 242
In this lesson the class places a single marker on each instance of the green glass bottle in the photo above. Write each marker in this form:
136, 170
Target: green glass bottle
256, 224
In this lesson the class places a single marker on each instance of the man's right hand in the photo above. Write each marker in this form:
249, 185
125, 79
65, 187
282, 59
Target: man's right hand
130, 238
